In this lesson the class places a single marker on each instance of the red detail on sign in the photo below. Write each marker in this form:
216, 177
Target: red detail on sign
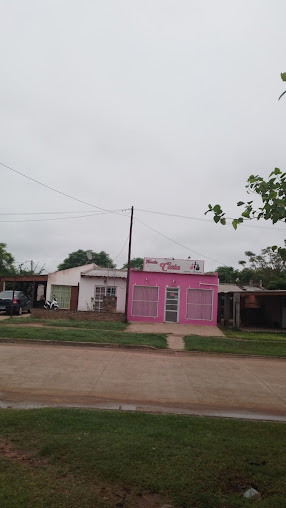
168, 266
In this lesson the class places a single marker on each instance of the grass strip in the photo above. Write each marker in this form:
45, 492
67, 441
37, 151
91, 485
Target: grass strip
96, 325
261, 336
246, 347
61, 458
99, 336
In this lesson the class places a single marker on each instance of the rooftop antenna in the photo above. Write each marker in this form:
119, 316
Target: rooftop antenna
89, 255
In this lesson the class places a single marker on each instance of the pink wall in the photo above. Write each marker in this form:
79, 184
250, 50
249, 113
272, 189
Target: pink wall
182, 281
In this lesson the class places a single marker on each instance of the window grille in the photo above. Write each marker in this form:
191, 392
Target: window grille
100, 292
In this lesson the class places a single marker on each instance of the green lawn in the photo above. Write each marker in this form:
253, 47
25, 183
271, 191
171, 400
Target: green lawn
265, 344
100, 336
96, 325
85, 458
262, 336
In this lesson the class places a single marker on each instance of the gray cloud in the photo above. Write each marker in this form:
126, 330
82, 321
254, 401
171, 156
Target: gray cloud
164, 105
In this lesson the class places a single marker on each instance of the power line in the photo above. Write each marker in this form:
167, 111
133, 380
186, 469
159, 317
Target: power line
121, 249
55, 190
58, 218
58, 213
204, 220
181, 245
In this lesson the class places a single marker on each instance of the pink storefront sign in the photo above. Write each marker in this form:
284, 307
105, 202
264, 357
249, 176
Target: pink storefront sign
178, 298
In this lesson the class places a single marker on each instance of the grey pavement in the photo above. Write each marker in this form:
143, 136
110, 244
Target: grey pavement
174, 328
178, 382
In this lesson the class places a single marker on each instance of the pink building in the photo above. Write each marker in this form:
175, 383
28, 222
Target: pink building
176, 291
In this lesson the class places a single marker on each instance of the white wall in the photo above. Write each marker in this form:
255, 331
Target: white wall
69, 277
86, 291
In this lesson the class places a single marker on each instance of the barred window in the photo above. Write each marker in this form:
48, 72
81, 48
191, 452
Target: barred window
100, 292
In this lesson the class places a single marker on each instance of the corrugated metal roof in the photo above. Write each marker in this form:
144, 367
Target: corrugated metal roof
235, 288
106, 272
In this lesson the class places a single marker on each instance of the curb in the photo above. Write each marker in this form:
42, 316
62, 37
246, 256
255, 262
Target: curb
106, 345
138, 347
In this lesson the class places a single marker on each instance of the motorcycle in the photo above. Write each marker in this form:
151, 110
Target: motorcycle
51, 305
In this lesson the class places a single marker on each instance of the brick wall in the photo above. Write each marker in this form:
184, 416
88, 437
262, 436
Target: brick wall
78, 315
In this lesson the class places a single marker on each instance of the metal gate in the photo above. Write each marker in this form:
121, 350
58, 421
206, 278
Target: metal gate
172, 305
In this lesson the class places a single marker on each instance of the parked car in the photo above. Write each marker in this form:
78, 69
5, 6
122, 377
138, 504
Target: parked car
20, 303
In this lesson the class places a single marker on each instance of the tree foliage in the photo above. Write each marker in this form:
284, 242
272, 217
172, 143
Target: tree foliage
136, 263
6, 261
273, 195
268, 267
79, 258
283, 77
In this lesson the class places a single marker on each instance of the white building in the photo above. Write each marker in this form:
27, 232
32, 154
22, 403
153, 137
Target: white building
83, 287
100, 282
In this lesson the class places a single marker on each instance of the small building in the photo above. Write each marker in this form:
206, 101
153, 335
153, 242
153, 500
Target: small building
88, 288
173, 291
64, 285
102, 285
251, 306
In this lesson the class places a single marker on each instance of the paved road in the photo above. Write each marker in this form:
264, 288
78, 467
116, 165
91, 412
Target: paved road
164, 381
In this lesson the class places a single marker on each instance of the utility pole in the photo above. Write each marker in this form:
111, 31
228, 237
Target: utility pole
32, 266
128, 265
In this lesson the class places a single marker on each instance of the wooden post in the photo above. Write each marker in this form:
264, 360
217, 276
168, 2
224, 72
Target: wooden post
236, 310
12, 304
226, 309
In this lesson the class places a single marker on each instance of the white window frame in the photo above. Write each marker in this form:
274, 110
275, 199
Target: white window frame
157, 301
169, 288
212, 304
98, 302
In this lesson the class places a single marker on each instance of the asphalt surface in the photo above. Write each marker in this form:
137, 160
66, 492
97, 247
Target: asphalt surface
33, 375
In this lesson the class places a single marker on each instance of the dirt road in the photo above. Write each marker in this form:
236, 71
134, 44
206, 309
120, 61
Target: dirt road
158, 381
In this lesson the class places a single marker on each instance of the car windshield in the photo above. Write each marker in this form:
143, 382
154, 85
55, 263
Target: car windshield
9, 294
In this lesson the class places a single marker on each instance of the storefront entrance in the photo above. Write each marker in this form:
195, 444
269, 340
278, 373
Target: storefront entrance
172, 305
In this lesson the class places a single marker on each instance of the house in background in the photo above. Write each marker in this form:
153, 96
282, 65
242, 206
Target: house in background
64, 285
88, 288
101, 285
173, 291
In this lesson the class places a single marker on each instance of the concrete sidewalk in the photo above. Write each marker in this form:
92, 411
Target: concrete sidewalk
152, 381
174, 328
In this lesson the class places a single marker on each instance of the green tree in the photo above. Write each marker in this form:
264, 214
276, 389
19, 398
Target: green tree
6, 261
272, 193
79, 258
268, 267
283, 77
136, 263
227, 274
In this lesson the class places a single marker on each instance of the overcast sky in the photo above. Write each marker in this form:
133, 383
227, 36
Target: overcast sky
164, 105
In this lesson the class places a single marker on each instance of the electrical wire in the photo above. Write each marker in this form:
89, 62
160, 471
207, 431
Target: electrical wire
57, 218
205, 220
181, 245
55, 190
58, 213
121, 249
